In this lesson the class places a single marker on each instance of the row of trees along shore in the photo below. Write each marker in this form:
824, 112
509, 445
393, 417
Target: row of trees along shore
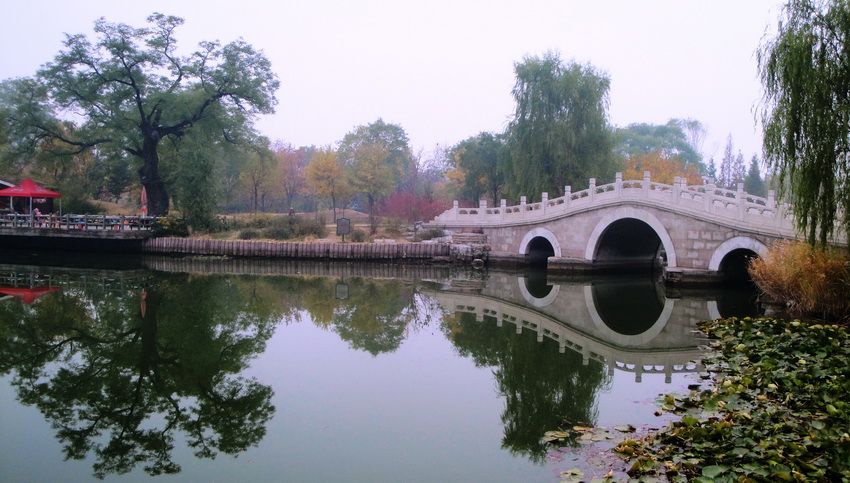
126, 110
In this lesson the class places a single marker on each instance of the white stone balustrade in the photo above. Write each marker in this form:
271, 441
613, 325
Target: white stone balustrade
707, 202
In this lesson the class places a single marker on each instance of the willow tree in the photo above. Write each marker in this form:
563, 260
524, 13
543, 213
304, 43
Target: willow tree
805, 73
560, 134
133, 93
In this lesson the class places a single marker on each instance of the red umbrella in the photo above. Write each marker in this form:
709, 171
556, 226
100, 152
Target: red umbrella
29, 189
28, 295
144, 201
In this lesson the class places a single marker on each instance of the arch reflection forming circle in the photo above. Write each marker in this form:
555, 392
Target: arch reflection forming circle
537, 301
621, 339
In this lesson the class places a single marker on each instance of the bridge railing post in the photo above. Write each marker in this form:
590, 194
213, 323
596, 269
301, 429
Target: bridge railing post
503, 205
455, 208
677, 187
568, 194
592, 190
522, 202
646, 183
544, 200
742, 201
618, 184
771, 200
708, 199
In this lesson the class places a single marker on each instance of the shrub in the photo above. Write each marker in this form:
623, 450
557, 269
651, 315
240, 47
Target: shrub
294, 227
395, 226
82, 206
257, 222
317, 227
358, 235
811, 281
430, 234
170, 226
249, 234
282, 229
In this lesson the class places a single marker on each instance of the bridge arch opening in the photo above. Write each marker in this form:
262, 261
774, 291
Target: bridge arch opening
630, 237
538, 252
538, 245
734, 265
732, 258
629, 244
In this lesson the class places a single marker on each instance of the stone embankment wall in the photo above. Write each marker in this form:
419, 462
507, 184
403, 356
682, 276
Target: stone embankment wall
280, 266
412, 252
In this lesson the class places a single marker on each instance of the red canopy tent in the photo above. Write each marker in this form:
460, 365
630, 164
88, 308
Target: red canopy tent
29, 189
28, 295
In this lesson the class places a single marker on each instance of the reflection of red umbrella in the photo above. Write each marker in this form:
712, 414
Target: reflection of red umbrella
144, 201
143, 304
28, 295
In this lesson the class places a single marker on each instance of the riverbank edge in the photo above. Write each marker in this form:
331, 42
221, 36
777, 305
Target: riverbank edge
449, 252
318, 250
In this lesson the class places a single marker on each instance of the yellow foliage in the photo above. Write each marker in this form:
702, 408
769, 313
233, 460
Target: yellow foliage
325, 175
456, 176
662, 169
812, 281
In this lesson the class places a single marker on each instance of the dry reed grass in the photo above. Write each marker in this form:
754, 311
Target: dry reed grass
813, 282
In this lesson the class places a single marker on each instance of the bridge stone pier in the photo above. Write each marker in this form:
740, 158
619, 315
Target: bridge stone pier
697, 233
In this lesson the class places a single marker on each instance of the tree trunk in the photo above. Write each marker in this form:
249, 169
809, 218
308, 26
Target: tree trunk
373, 224
149, 176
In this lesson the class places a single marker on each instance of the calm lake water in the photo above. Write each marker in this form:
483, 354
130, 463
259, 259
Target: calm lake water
217, 370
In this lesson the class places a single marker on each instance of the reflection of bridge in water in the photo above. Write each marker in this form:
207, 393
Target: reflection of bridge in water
627, 325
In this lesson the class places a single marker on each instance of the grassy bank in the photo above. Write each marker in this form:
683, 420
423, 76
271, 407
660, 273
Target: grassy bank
776, 409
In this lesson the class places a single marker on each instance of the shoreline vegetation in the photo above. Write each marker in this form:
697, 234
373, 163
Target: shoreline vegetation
772, 406
810, 282
776, 408
774, 402
299, 227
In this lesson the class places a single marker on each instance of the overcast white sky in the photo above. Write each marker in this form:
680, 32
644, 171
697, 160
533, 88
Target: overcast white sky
443, 69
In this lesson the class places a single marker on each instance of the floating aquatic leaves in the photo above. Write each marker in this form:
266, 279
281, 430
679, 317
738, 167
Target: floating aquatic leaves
552, 436
778, 409
587, 434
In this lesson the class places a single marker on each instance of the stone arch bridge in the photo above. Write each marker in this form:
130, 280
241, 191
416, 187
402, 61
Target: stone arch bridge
698, 233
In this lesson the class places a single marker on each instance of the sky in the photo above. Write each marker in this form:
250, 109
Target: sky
443, 69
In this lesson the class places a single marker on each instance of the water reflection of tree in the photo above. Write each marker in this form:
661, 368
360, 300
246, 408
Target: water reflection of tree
542, 387
119, 385
377, 314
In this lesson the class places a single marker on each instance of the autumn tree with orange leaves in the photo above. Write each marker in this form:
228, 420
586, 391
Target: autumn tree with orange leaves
663, 169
